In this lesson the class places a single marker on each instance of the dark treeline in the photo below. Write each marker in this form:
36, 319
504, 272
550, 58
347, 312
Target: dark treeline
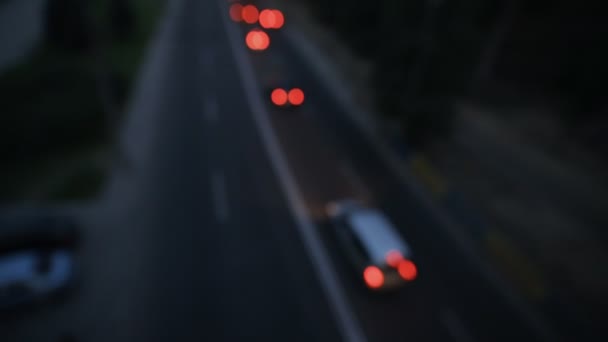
429, 53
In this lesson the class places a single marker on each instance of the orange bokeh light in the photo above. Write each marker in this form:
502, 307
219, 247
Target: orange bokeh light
393, 258
236, 12
257, 40
296, 96
279, 97
271, 19
373, 276
267, 19
250, 14
407, 270
279, 19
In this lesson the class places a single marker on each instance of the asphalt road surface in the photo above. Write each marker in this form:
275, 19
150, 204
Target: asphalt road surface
198, 239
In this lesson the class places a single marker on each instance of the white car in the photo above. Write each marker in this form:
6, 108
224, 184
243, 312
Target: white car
372, 245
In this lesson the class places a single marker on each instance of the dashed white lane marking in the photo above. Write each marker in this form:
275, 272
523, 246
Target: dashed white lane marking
211, 108
208, 62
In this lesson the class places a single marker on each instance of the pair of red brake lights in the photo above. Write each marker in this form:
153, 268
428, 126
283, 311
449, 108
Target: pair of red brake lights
281, 97
374, 277
267, 18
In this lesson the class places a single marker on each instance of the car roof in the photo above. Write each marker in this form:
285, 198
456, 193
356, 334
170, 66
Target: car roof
377, 234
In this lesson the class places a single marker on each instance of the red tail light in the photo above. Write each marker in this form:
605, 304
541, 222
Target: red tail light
373, 276
407, 270
279, 97
296, 96
250, 14
236, 12
393, 258
268, 19
257, 40
279, 19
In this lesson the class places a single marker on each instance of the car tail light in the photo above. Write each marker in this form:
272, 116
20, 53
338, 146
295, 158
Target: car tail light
373, 276
407, 270
296, 96
279, 19
236, 12
250, 14
279, 97
268, 19
393, 258
257, 40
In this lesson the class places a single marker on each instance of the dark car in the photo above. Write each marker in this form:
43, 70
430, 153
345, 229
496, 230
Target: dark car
373, 246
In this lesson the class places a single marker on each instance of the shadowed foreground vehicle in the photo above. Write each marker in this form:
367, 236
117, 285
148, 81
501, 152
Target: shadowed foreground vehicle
372, 245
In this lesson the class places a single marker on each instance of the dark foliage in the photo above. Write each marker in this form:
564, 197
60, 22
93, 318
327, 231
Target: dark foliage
66, 25
427, 53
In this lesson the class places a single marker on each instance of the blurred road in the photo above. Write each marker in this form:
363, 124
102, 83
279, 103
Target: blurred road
197, 241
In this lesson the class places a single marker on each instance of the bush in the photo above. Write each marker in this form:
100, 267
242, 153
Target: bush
122, 19
53, 107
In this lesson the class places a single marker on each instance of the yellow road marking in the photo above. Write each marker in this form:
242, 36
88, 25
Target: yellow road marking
515, 265
429, 176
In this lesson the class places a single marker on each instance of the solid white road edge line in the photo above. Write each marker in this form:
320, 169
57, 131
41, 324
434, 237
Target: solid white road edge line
347, 323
